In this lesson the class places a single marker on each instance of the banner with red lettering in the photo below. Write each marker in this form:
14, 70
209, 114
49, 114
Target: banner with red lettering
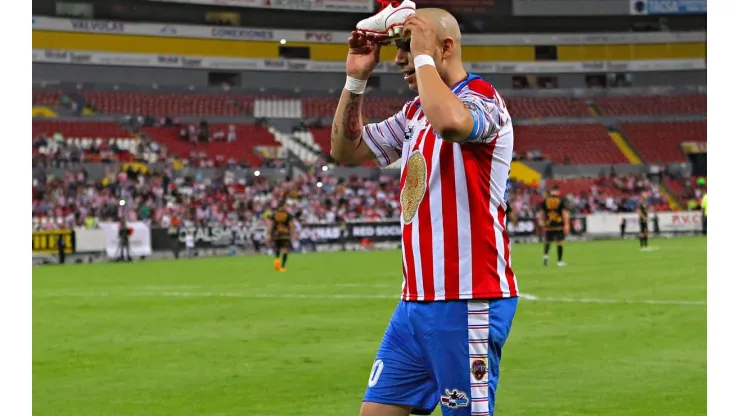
347, 6
658, 222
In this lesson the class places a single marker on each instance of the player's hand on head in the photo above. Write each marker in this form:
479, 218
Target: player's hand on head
423, 34
363, 56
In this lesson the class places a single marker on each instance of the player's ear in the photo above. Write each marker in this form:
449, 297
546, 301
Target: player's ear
448, 46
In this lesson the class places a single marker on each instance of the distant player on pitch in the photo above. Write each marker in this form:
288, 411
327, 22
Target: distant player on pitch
642, 212
555, 220
282, 232
455, 140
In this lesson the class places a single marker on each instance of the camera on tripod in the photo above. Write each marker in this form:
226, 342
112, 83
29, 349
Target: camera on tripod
123, 241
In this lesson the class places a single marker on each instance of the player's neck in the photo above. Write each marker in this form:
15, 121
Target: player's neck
456, 74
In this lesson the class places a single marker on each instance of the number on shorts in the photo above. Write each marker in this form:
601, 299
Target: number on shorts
375, 373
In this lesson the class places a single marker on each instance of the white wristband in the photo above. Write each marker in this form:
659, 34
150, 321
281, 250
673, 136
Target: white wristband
354, 85
422, 60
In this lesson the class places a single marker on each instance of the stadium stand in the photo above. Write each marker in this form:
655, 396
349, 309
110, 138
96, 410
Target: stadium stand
64, 141
249, 138
535, 107
46, 97
660, 142
652, 105
375, 107
568, 143
172, 104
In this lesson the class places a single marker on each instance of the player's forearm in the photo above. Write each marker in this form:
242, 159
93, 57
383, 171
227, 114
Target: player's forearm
444, 111
346, 131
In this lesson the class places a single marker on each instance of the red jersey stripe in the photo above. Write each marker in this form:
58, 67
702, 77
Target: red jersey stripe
449, 221
425, 222
484, 253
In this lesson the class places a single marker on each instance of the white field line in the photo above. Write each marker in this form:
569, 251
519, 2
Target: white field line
524, 296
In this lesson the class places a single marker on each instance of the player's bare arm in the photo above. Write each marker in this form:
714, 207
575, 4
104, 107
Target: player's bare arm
347, 145
566, 221
430, 35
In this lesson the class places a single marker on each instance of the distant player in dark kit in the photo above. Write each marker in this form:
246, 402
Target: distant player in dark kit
61, 246
555, 220
281, 231
642, 210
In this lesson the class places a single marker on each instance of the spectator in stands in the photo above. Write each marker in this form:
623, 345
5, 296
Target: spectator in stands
231, 135
203, 132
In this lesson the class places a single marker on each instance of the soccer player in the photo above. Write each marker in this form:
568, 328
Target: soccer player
443, 343
642, 210
555, 220
281, 231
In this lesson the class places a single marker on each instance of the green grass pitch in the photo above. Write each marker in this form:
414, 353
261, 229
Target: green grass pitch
616, 332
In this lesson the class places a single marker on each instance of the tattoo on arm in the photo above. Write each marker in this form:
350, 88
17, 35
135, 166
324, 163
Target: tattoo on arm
352, 119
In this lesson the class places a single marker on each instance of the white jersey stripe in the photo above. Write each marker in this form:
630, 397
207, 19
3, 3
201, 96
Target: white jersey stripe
415, 242
478, 335
438, 242
405, 267
463, 223
500, 259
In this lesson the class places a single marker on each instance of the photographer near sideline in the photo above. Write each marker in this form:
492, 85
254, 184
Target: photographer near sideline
124, 234
173, 231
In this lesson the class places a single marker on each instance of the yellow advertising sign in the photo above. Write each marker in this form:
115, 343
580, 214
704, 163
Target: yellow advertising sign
47, 241
58, 40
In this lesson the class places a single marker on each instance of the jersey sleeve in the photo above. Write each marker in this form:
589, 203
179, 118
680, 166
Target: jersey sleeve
488, 110
385, 139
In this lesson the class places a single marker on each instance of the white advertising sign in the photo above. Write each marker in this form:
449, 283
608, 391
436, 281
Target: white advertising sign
140, 239
670, 222
207, 62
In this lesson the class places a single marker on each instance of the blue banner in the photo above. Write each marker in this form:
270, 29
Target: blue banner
668, 7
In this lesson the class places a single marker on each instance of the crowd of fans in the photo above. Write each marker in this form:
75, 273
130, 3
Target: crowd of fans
136, 194
606, 194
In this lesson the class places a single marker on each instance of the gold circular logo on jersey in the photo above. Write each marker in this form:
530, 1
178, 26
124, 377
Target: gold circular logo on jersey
415, 186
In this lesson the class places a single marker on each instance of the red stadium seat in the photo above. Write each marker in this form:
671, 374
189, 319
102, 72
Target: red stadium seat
652, 105
46, 97
582, 143
660, 142
531, 107
248, 136
169, 104
93, 129
88, 135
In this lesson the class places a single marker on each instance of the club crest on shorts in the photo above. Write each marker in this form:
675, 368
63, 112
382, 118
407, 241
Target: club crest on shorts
414, 187
479, 368
455, 399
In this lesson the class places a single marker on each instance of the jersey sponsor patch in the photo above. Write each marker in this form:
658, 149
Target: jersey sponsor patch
455, 399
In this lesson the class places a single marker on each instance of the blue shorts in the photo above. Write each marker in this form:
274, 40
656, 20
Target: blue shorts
445, 352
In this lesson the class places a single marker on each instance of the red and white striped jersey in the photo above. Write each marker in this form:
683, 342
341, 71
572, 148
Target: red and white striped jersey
453, 198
